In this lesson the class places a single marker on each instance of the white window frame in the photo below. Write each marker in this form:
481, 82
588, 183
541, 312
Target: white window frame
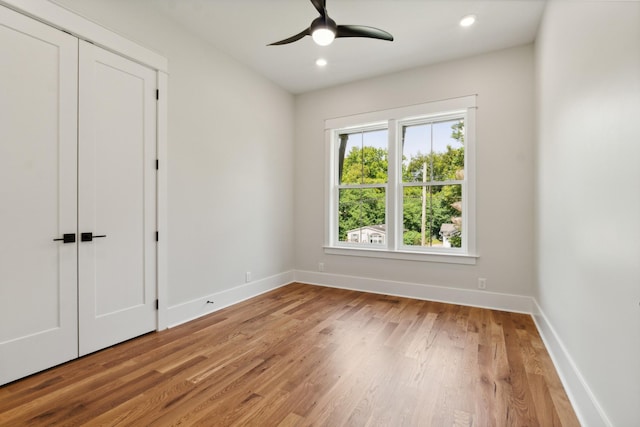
393, 120
337, 186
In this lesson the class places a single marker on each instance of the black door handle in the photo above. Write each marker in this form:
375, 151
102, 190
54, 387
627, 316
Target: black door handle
88, 237
67, 238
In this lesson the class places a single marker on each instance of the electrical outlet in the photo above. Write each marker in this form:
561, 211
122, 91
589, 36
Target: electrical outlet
247, 276
321, 266
482, 283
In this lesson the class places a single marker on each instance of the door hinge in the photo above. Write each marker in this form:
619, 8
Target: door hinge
157, 93
157, 304
157, 235
157, 164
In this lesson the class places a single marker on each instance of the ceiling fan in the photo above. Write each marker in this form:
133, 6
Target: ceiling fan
324, 29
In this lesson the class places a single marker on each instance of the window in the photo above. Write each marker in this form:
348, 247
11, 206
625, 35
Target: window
401, 183
362, 182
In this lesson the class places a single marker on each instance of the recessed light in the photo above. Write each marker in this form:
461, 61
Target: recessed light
468, 20
321, 62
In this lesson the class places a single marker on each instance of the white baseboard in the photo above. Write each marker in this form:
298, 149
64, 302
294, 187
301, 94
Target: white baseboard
584, 403
469, 297
190, 310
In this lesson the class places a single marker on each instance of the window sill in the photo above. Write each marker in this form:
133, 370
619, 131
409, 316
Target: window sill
447, 258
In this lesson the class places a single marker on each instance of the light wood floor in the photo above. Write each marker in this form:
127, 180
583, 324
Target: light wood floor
307, 355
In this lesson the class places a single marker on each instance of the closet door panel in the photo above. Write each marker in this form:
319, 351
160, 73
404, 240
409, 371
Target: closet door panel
38, 173
117, 146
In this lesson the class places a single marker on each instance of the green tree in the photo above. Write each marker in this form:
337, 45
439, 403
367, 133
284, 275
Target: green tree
411, 238
362, 206
457, 131
438, 213
367, 165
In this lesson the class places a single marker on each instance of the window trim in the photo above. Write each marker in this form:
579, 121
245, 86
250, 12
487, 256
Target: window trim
393, 120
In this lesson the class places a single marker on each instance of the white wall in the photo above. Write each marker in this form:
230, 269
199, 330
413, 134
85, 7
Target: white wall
230, 151
503, 81
588, 195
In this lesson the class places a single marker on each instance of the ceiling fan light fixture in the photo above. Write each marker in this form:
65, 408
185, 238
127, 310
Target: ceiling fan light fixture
323, 36
323, 30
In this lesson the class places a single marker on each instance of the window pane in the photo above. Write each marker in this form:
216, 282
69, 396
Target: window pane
433, 151
362, 157
432, 216
361, 215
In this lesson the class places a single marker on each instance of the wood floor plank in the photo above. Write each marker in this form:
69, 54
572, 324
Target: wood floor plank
305, 355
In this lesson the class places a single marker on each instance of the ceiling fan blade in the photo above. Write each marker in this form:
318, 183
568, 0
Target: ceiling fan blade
363, 31
292, 39
321, 7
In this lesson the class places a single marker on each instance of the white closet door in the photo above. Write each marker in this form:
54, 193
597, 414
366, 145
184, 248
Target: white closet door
117, 199
38, 170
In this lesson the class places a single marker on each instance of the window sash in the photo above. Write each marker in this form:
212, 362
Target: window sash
336, 235
400, 200
380, 185
463, 249
432, 183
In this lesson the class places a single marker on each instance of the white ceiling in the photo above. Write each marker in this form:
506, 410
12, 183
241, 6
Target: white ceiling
425, 32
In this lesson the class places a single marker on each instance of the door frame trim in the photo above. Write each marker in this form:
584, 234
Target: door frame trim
162, 285
64, 19
85, 29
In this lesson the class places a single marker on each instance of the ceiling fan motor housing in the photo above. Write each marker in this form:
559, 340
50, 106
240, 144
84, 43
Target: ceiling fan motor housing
323, 22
